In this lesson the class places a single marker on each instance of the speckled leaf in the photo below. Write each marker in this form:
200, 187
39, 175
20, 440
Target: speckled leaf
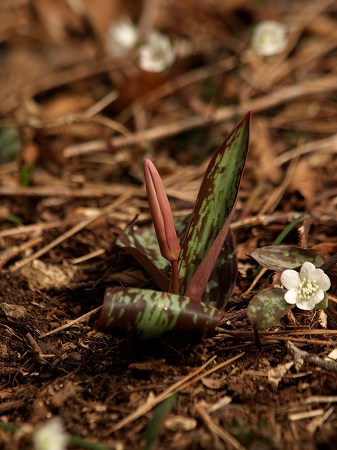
281, 257
151, 314
215, 203
267, 308
222, 280
142, 244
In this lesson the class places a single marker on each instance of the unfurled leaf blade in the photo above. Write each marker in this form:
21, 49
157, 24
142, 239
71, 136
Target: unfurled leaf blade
222, 280
142, 244
215, 202
151, 314
267, 308
281, 257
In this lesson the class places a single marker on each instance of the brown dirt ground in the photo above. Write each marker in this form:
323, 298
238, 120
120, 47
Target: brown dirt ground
54, 67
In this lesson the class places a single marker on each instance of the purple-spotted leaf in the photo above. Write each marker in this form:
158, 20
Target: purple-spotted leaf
267, 308
209, 224
151, 314
142, 244
281, 257
222, 279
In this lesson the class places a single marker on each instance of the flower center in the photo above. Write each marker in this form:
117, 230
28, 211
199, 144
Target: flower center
307, 289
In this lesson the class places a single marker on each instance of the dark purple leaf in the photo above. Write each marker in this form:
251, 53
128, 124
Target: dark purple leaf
151, 314
210, 220
281, 257
142, 244
222, 280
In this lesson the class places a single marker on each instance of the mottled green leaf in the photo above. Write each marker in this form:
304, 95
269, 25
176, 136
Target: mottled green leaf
214, 205
142, 244
281, 257
267, 308
150, 314
222, 280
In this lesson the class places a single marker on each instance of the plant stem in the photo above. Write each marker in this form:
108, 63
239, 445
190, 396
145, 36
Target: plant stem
174, 285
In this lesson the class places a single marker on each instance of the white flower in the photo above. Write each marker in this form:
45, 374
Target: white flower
269, 38
51, 436
122, 37
157, 54
305, 289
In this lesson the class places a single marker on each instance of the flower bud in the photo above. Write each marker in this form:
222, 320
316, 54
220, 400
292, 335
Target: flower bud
161, 213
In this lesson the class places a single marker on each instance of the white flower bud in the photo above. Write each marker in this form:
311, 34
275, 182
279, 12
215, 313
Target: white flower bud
269, 38
51, 436
157, 54
122, 37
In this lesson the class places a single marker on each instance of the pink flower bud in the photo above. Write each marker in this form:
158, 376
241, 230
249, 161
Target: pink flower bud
161, 213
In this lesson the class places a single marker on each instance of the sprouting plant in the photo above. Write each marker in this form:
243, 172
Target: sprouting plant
196, 277
304, 278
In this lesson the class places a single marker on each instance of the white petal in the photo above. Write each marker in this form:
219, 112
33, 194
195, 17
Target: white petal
305, 305
306, 270
122, 37
322, 279
310, 304
291, 296
290, 279
269, 38
318, 297
157, 54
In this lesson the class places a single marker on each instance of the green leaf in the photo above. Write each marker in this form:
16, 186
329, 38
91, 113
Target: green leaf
324, 303
142, 244
222, 280
150, 314
10, 144
281, 257
267, 308
212, 211
153, 429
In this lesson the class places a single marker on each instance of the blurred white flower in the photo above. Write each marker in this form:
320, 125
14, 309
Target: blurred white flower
51, 436
157, 54
122, 37
307, 288
269, 38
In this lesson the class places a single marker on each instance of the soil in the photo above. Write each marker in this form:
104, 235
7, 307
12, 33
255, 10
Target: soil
71, 181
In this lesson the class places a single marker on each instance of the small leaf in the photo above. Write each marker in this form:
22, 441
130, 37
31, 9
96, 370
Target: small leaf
222, 280
324, 303
267, 308
151, 314
154, 427
281, 257
214, 205
142, 244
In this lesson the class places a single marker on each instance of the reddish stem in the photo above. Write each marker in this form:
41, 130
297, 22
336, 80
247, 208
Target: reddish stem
174, 285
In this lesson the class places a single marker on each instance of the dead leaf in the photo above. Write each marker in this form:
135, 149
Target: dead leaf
40, 275
13, 311
304, 181
180, 423
275, 375
263, 149
212, 383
